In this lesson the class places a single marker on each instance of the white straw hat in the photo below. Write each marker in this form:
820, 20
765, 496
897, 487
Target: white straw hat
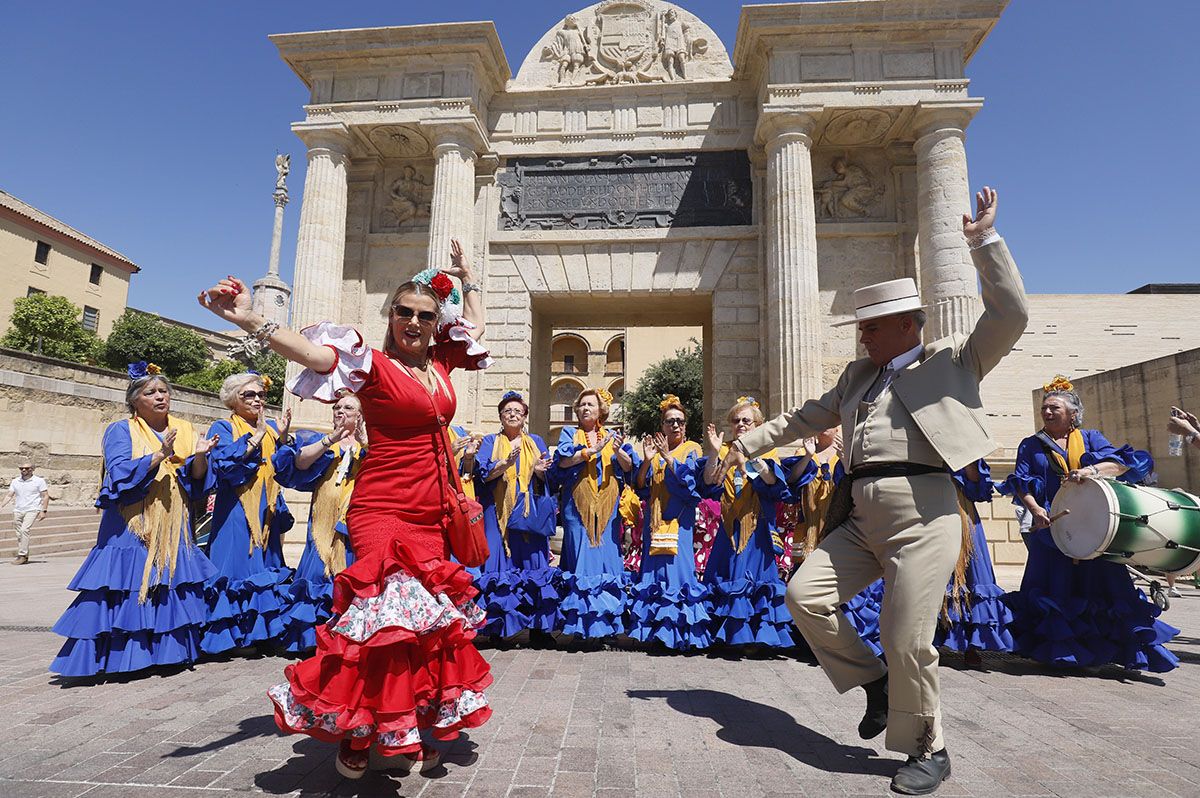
884, 299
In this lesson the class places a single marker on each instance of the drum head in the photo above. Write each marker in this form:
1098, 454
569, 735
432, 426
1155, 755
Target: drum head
1092, 523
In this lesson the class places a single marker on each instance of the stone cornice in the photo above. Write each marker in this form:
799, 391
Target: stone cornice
831, 24
800, 120
304, 51
934, 115
333, 136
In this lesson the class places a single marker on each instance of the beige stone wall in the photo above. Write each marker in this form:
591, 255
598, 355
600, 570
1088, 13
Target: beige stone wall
55, 413
645, 346
66, 273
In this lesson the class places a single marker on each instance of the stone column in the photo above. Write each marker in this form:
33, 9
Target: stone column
949, 284
452, 210
793, 318
321, 243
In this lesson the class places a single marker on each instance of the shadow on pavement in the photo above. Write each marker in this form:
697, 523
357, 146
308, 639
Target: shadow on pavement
750, 724
248, 728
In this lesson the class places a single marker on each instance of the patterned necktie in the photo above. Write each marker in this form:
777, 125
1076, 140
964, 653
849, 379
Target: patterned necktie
881, 383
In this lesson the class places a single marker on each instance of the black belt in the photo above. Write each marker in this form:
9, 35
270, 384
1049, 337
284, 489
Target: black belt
877, 470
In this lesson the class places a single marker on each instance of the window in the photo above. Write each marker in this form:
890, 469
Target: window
97, 270
33, 291
42, 255
91, 318
568, 363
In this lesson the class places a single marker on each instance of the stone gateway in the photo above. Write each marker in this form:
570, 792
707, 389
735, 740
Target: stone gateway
632, 170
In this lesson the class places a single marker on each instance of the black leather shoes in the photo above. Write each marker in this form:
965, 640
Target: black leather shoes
875, 718
922, 775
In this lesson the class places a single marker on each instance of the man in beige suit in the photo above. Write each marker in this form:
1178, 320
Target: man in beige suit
910, 414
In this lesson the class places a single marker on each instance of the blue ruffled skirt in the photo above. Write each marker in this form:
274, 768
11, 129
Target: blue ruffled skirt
668, 604
863, 611
309, 599
747, 595
519, 590
593, 581
248, 599
1085, 614
985, 619
108, 630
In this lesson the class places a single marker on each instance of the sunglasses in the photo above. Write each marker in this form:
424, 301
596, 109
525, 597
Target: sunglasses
405, 314
248, 395
676, 422
514, 411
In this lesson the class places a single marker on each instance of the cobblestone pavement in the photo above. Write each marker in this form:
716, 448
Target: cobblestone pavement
607, 724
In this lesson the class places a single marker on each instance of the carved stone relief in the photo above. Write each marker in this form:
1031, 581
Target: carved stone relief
852, 192
399, 141
858, 127
626, 41
405, 200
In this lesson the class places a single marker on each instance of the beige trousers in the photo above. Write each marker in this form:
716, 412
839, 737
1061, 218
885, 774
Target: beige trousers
23, 522
907, 530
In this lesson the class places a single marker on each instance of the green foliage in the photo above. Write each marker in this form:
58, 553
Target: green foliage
681, 374
50, 325
211, 377
141, 336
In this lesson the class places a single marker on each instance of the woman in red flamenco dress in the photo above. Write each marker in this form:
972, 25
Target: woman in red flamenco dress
395, 665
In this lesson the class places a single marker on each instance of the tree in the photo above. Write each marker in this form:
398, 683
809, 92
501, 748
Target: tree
49, 325
211, 377
681, 374
142, 336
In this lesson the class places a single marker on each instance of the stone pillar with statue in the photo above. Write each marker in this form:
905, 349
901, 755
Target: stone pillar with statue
271, 293
793, 328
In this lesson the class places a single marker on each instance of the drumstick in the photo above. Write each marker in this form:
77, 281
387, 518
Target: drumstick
1057, 516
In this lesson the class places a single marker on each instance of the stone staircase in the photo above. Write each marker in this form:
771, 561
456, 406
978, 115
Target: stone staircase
64, 530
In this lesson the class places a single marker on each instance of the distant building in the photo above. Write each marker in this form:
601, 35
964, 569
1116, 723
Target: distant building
218, 342
42, 255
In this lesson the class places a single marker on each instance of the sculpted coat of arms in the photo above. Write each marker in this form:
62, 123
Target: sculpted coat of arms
626, 41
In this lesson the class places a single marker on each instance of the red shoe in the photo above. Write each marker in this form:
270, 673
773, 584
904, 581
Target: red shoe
351, 763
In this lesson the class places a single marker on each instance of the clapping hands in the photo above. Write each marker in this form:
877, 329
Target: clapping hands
206, 445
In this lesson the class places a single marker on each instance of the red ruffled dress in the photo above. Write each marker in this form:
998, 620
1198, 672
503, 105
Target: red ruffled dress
396, 658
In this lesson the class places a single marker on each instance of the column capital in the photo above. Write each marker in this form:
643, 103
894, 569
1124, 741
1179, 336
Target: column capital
332, 137
461, 134
791, 122
950, 117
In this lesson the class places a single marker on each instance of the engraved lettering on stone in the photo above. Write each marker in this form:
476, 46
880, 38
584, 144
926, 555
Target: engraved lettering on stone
409, 197
851, 193
662, 190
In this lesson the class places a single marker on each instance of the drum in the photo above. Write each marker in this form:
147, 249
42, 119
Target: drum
1148, 527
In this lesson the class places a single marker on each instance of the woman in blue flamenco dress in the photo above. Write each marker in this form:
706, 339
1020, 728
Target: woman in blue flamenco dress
325, 466
248, 599
518, 587
141, 588
668, 604
745, 589
587, 466
1089, 612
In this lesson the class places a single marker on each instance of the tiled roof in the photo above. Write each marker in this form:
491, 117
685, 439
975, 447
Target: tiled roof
46, 220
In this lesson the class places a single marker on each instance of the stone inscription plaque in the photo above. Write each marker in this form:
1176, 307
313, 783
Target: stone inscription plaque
595, 193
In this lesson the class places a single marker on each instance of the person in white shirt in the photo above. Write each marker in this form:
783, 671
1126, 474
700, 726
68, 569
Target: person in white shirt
31, 498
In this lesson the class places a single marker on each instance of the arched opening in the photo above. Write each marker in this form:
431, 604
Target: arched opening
615, 361
563, 392
617, 389
569, 355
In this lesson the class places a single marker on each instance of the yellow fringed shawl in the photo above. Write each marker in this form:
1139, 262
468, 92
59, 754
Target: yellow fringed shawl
519, 475
664, 535
739, 509
250, 494
597, 491
817, 495
1075, 452
468, 484
160, 517
330, 501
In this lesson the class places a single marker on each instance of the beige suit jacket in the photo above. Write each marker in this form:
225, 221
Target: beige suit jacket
940, 391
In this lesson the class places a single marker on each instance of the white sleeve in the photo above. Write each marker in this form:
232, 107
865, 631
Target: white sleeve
350, 369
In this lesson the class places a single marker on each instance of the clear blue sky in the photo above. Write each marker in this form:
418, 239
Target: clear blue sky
153, 127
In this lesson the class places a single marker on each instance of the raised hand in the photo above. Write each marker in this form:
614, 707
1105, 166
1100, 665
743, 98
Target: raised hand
460, 264
542, 464
985, 213
472, 447
810, 447
460, 444
661, 445
283, 423
618, 439
205, 445
513, 455
228, 299
168, 442
647, 447
713, 438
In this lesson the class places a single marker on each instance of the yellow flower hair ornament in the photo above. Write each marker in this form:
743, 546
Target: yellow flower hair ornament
669, 400
604, 395
748, 400
151, 368
1059, 383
